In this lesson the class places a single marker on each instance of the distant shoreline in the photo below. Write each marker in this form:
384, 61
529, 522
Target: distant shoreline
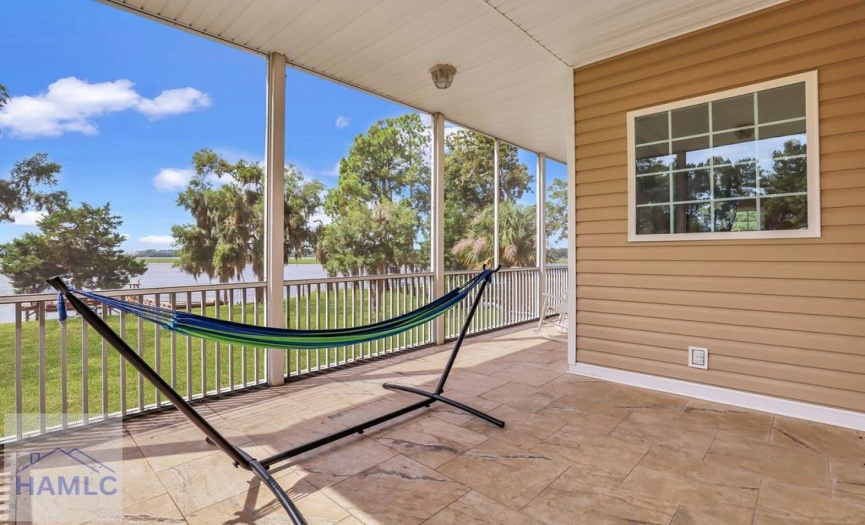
151, 260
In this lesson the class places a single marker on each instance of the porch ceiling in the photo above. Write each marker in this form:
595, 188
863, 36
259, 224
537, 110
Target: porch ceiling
513, 56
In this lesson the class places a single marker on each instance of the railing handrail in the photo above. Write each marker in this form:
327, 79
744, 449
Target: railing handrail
48, 296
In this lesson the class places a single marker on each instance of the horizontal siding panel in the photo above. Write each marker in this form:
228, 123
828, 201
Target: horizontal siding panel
843, 143
843, 234
786, 389
754, 30
833, 270
602, 188
601, 227
745, 334
843, 198
846, 160
601, 125
821, 324
602, 214
839, 179
841, 216
741, 302
841, 107
589, 137
597, 148
847, 123
589, 176
722, 347
712, 252
780, 287
603, 161
602, 201
719, 362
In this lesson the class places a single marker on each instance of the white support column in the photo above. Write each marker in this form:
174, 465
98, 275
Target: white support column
497, 185
437, 212
274, 219
541, 228
570, 132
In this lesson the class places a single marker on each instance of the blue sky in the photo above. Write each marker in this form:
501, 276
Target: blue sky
122, 103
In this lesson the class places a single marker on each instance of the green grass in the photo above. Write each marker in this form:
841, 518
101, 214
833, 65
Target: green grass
150, 340
302, 260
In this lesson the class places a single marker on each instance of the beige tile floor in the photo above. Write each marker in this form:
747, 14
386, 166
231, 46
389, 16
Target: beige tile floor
574, 451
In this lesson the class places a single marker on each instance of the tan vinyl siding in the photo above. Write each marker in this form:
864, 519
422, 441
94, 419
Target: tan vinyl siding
781, 317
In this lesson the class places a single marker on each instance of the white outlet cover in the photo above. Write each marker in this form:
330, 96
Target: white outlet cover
698, 357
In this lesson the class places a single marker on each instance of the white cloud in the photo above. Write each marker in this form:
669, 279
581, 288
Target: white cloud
27, 218
170, 179
71, 104
174, 102
342, 122
166, 240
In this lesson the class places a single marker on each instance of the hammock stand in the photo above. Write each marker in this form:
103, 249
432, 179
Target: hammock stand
238, 456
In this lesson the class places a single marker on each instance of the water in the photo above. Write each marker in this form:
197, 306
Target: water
163, 274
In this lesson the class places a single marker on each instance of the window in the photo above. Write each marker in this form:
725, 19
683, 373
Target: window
738, 164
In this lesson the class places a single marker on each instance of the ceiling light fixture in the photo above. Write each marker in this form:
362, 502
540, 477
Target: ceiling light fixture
443, 75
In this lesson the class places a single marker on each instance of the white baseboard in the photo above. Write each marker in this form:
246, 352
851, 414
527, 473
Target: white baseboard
763, 403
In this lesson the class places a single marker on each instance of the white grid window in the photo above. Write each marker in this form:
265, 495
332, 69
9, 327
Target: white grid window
738, 164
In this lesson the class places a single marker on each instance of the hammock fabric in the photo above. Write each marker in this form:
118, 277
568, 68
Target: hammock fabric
194, 325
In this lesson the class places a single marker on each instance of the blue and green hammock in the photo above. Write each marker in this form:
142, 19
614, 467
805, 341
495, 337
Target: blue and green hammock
187, 323
242, 334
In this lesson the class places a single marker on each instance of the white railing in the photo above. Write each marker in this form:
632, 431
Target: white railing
51, 368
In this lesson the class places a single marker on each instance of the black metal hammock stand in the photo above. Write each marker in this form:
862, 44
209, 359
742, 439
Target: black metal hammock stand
276, 338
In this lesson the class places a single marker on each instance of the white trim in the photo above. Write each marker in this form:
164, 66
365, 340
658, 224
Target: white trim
813, 162
570, 144
727, 396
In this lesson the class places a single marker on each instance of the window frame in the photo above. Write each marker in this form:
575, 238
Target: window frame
812, 133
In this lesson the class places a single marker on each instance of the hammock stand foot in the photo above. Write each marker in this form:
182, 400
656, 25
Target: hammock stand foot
432, 396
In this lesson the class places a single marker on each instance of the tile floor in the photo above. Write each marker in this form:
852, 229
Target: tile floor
573, 451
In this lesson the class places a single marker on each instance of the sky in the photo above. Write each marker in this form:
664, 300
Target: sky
122, 103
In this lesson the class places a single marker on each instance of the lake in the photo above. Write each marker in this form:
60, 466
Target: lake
163, 274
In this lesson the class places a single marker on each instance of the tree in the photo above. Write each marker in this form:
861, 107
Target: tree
557, 210
226, 202
27, 185
381, 203
517, 231
469, 183
80, 243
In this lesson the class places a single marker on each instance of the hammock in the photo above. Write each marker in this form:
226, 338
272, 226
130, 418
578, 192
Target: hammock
194, 325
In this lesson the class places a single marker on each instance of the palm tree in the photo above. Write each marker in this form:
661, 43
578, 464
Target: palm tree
517, 243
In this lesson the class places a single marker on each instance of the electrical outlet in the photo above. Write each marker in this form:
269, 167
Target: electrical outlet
698, 357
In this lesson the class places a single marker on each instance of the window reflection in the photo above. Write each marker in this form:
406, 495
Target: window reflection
692, 218
653, 219
784, 213
691, 185
653, 189
736, 215
736, 181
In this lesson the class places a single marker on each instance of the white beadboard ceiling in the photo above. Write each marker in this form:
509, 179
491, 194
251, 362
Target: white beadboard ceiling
513, 57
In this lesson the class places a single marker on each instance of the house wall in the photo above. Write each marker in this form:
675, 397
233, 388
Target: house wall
780, 317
